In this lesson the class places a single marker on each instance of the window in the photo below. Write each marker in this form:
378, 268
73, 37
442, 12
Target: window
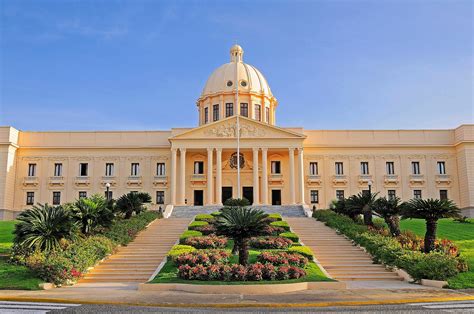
30, 198
215, 112
415, 167
160, 197
206, 115
391, 194
160, 169
82, 194
339, 168
267, 114
390, 167
364, 167
109, 169
58, 170
313, 168
314, 196
199, 167
31, 170
276, 167
244, 110
441, 167
135, 169
56, 198
229, 109
443, 194
83, 169
340, 194
417, 193
257, 113
108, 197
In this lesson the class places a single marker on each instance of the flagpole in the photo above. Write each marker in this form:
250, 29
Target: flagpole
236, 58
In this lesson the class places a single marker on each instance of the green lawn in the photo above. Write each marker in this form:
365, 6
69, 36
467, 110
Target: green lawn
461, 234
13, 276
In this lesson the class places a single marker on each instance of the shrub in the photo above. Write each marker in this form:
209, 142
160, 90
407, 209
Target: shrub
123, 231
435, 265
193, 225
204, 217
200, 257
272, 231
290, 272
132, 202
270, 243
215, 214
281, 224
290, 235
206, 229
275, 217
303, 250
179, 249
206, 242
282, 258
188, 234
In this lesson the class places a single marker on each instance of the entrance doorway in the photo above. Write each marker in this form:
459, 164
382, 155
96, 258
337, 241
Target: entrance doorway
198, 197
247, 192
226, 193
276, 197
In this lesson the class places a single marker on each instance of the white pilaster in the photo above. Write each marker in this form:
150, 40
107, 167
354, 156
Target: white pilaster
173, 176
264, 177
210, 185
255, 177
301, 175
291, 152
219, 176
182, 179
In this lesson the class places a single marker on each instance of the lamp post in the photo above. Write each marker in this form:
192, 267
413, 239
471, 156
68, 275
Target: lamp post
107, 194
369, 183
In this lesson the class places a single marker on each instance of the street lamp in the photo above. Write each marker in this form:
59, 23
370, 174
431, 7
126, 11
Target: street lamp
107, 185
369, 183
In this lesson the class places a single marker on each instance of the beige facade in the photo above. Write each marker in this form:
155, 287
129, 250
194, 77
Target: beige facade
197, 166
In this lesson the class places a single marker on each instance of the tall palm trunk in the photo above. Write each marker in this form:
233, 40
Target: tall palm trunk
243, 252
367, 212
235, 249
393, 223
430, 235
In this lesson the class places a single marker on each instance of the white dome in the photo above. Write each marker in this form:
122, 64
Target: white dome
223, 78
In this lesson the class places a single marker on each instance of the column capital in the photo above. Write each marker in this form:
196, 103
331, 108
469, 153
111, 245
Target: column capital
210, 150
174, 149
264, 149
182, 150
291, 149
255, 149
219, 150
300, 149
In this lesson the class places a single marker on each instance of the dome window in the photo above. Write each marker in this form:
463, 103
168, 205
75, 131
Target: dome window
243, 83
229, 83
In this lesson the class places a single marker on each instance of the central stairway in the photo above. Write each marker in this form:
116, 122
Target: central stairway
191, 211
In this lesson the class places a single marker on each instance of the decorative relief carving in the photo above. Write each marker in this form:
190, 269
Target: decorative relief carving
31, 158
229, 130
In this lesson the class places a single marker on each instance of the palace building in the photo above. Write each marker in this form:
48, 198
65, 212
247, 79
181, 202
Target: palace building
198, 166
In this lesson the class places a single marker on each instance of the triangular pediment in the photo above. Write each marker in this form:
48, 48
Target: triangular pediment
226, 128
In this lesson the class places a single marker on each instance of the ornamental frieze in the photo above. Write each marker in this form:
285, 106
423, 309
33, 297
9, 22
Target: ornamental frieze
229, 130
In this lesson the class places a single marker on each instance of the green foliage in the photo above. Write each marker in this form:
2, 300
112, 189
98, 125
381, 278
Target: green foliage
6, 235
123, 231
189, 234
435, 265
43, 227
303, 250
290, 235
214, 214
204, 217
92, 213
237, 202
195, 224
179, 249
362, 204
131, 203
281, 224
275, 216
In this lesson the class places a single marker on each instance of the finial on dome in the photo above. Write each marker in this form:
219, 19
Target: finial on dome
236, 53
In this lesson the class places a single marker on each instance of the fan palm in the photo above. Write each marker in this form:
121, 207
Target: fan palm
362, 204
431, 210
340, 206
240, 224
389, 210
92, 213
43, 226
132, 202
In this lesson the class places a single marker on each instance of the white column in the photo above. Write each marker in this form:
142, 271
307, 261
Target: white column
264, 177
173, 176
182, 179
255, 177
301, 175
291, 152
210, 185
219, 176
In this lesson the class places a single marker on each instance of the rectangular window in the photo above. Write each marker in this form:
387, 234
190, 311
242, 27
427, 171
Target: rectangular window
313, 168
30, 198
108, 197
244, 110
56, 198
135, 169
391, 194
390, 167
443, 194
82, 194
58, 170
415, 167
199, 167
206, 115
314, 196
83, 169
441, 167
160, 169
215, 112
229, 109
417, 193
339, 168
364, 167
31, 170
340, 194
160, 197
267, 114
109, 169
257, 113
276, 167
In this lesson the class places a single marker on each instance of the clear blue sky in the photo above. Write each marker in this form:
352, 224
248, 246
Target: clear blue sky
141, 65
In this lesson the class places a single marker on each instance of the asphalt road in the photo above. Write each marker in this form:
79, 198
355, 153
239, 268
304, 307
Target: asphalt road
37, 308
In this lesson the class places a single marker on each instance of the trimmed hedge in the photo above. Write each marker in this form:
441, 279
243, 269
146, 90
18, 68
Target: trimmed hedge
189, 234
179, 249
290, 235
281, 224
195, 224
276, 217
303, 250
204, 217
124, 231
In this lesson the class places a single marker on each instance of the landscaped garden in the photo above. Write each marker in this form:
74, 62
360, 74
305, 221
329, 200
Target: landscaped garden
58, 244
239, 245
412, 244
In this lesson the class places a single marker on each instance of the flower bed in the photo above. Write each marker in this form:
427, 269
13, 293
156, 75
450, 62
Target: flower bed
207, 242
270, 243
201, 257
282, 258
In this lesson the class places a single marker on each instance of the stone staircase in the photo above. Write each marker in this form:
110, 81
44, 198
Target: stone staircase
338, 256
137, 261
191, 211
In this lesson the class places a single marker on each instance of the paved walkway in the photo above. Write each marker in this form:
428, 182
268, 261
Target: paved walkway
340, 257
137, 261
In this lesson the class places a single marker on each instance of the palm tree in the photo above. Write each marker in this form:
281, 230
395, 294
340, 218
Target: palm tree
389, 210
340, 206
132, 202
43, 226
362, 204
92, 213
430, 210
240, 224
237, 202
